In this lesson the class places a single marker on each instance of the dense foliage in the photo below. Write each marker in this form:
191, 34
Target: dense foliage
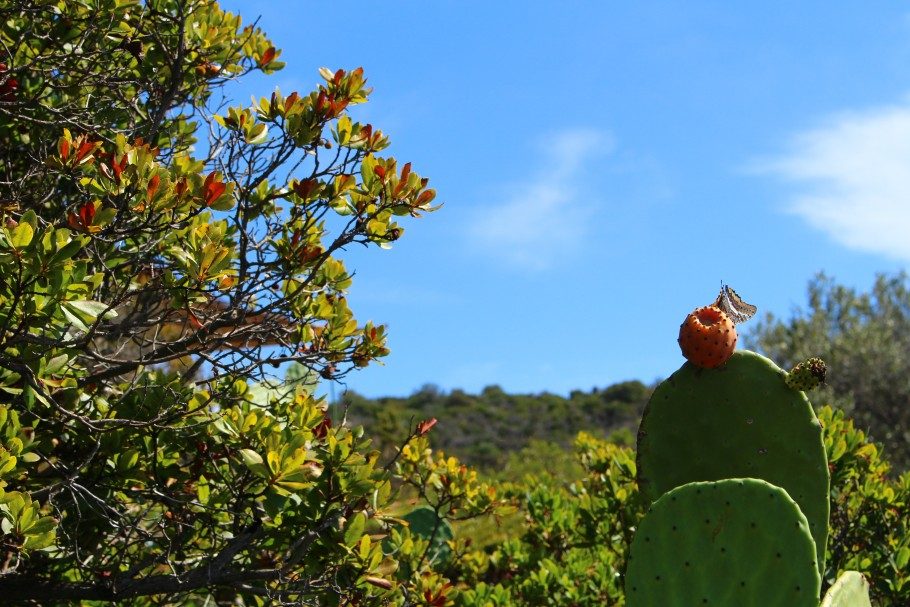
865, 340
151, 283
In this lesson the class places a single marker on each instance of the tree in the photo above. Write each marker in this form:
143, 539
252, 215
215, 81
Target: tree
152, 283
864, 338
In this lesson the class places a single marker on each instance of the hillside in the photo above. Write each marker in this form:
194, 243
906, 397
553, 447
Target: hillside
483, 429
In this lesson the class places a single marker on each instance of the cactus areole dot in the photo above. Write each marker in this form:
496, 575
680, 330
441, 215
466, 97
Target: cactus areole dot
707, 337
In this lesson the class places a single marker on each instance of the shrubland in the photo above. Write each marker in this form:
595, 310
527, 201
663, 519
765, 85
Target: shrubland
173, 299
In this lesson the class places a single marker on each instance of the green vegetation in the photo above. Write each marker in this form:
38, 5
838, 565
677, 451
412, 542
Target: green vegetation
864, 338
573, 543
152, 283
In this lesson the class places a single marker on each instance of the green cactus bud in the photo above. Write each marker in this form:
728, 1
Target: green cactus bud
807, 375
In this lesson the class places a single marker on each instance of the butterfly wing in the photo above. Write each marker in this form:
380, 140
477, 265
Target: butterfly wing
734, 306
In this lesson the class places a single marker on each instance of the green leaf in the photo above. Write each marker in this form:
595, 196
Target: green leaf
254, 462
127, 460
355, 529
202, 490
21, 235
67, 251
250, 457
257, 134
56, 364
74, 320
42, 525
37, 542
7, 464
92, 309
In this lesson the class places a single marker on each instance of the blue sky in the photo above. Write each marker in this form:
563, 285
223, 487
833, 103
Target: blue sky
605, 165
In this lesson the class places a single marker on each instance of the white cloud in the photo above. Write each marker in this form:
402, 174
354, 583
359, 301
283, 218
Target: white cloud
856, 170
547, 214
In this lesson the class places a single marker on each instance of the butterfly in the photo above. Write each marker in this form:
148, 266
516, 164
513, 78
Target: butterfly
733, 305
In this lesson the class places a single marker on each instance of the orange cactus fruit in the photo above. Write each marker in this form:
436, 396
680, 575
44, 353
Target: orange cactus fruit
707, 337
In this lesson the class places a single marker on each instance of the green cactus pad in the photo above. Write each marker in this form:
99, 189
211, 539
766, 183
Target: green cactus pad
850, 590
738, 421
729, 543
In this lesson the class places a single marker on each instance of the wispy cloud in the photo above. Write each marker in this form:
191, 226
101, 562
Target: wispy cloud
546, 215
855, 169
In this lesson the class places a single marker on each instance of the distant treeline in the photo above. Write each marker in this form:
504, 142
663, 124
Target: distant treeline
483, 429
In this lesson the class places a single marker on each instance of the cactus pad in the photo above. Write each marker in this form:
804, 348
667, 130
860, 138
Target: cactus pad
850, 590
735, 542
739, 421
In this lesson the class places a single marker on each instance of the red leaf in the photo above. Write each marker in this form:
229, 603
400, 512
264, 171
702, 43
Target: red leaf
322, 428
63, 148
338, 76
82, 218
308, 254
425, 197
380, 171
337, 107
84, 149
267, 56
197, 324
425, 426
87, 214
305, 188
405, 171
181, 187
290, 101
152, 187
213, 189
118, 167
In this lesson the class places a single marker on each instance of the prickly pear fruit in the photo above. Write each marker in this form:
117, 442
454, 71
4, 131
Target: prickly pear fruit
807, 374
707, 337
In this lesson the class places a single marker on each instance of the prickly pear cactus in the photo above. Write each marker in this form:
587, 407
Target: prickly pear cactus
424, 522
739, 421
739, 542
850, 590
